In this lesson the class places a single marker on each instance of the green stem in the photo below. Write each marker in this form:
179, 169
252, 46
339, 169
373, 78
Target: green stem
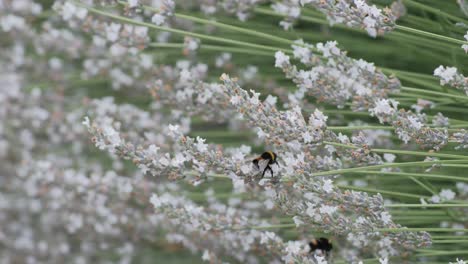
464, 241
402, 152
387, 165
353, 128
267, 227
422, 175
418, 229
426, 205
434, 11
424, 186
403, 218
449, 237
455, 166
422, 213
460, 123
430, 35
444, 253
458, 97
460, 126
214, 48
437, 100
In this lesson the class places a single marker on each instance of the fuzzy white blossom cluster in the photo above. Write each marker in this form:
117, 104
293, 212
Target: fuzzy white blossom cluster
14, 19
196, 161
461, 138
451, 76
159, 12
230, 231
332, 216
64, 208
351, 214
67, 72
352, 13
335, 78
283, 126
410, 126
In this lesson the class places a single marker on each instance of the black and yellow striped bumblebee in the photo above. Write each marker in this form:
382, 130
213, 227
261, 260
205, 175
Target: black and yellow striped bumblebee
322, 243
268, 156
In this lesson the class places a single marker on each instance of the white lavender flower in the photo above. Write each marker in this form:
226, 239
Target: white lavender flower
451, 76
355, 14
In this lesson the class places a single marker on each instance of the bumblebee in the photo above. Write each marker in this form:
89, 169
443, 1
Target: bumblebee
270, 157
322, 243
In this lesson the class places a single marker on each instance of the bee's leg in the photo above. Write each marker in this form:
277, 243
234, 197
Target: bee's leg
266, 168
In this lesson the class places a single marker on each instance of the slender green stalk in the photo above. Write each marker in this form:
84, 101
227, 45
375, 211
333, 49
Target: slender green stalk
416, 96
388, 165
458, 97
390, 230
459, 126
455, 241
422, 213
426, 205
452, 165
402, 218
402, 152
418, 229
444, 253
459, 123
430, 35
267, 227
215, 48
418, 81
449, 237
421, 175
370, 127
432, 191
434, 11
424, 186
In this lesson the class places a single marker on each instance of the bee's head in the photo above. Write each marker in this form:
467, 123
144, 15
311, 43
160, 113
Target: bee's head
255, 162
313, 245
